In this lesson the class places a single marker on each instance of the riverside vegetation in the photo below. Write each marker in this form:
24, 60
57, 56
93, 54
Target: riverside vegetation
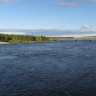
15, 39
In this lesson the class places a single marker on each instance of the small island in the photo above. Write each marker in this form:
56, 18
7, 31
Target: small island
16, 39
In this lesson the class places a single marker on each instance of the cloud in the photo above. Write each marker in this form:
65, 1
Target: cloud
5, 1
86, 26
61, 26
92, 0
15, 33
49, 32
65, 4
75, 3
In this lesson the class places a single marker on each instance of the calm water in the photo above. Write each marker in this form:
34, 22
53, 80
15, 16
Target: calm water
48, 69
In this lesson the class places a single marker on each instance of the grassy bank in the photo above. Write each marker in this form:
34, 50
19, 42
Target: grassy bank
16, 39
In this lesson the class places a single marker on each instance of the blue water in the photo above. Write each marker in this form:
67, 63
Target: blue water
48, 69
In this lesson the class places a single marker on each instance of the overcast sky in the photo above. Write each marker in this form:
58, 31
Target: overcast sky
48, 17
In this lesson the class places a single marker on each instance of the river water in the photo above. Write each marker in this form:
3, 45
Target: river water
48, 69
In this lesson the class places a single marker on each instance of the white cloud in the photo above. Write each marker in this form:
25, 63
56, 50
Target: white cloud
61, 26
15, 33
65, 4
49, 32
92, 0
5, 1
86, 26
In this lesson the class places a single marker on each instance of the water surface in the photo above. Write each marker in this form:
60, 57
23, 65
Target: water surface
48, 69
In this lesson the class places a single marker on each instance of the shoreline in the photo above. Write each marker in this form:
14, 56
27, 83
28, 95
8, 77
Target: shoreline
4, 43
27, 42
21, 39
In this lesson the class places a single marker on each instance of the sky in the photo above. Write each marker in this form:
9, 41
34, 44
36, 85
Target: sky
48, 17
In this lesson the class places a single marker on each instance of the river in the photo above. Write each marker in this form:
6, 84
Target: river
48, 69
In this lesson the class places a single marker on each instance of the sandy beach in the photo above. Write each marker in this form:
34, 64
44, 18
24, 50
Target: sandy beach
4, 43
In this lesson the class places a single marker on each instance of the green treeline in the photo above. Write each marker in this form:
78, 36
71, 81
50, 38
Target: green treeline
14, 39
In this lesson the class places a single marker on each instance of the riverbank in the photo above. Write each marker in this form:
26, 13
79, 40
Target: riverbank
32, 42
19, 39
4, 43
27, 42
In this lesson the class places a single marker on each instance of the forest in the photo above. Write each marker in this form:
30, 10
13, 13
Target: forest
15, 39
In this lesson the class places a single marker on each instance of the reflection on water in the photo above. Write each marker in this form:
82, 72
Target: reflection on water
48, 69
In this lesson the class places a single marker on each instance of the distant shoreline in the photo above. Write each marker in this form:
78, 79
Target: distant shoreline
19, 39
26, 42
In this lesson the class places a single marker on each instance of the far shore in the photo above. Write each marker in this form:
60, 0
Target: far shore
4, 43
27, 42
